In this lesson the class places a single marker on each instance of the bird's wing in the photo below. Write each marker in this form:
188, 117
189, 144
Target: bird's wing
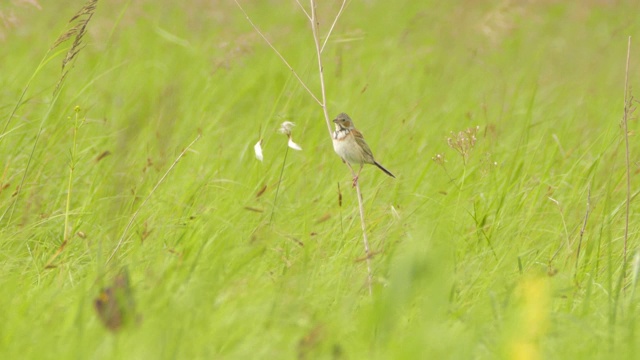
368, 155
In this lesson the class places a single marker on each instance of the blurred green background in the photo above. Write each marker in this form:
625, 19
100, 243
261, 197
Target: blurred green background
512, 249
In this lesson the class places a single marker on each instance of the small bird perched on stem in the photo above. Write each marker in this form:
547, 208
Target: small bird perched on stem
350, 145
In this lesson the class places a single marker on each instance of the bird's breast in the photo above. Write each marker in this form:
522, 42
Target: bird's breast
346, 147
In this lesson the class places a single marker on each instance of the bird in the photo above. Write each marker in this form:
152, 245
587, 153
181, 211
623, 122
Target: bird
350, 145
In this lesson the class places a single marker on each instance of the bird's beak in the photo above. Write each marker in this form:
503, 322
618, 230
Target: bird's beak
335, 121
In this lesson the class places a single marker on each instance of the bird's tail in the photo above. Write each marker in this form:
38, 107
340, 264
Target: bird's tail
383, 169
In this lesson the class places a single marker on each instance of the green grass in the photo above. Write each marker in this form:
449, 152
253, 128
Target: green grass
475, 260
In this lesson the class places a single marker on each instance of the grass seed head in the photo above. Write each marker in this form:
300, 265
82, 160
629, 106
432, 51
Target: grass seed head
463, 141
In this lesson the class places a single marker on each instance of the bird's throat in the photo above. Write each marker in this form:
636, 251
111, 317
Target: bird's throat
340, 133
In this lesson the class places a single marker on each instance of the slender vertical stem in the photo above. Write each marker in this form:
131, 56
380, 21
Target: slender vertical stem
279, 55
275, 199
365, 240
72, 166
22, 95
135, 214
344, 2
626, 141
316, 39
303, 10
582, 230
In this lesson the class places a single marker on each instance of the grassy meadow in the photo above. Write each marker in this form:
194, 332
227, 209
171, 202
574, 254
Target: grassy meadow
503, 235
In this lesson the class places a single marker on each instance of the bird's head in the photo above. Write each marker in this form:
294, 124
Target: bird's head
343, 121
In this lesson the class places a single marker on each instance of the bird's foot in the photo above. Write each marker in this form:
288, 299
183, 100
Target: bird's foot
355, 181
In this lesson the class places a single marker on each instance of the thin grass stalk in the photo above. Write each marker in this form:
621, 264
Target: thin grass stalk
275, 199
316, 40
303, 10
344, 3
42, 63
273, 110
278, 53
135, 214
11, 208
460, 188
582, 230
79, 30
635, 271
620, 286
627, 109
72, 167
72, 164
367, 250
81, 20
45, 60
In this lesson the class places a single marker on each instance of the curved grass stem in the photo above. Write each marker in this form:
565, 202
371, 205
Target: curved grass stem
135, 214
